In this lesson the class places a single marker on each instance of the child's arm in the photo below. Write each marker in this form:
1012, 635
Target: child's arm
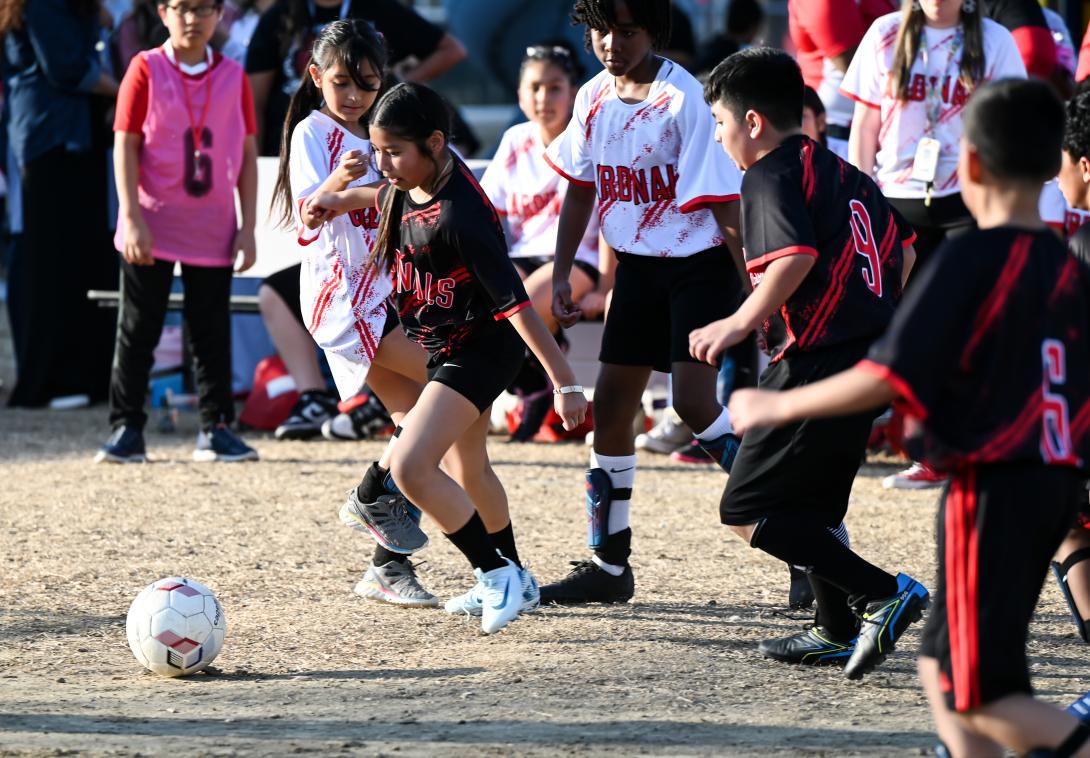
353, 165
245, 245
851, 391
729, 218
136, 248
342, 201
593, 303
863, 139
781, 278
570, 406
574, 217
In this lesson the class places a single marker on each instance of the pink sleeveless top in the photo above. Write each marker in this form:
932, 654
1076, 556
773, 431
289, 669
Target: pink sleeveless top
189, 202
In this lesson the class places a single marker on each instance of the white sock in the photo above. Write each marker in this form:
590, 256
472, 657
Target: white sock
609, 568
622, 475
719, 427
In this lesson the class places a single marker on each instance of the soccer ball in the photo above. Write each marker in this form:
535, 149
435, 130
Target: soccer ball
175, 626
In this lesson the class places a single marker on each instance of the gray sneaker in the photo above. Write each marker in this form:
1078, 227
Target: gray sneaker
397, 584
387, 520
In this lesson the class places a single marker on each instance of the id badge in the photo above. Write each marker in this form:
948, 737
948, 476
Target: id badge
926, 163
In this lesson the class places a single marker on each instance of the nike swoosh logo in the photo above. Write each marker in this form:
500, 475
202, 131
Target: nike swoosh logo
506, 590
620, 470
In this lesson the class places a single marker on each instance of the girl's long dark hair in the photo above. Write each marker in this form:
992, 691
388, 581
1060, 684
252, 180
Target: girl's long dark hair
349, 42
910, 37
411, 112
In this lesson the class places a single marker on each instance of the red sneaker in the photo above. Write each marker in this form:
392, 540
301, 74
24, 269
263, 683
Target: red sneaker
918, 476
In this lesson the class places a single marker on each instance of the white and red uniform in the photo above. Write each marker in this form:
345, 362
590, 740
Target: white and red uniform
528, 195
1057, 213
904, 124
179, 192
655, 164
342, 298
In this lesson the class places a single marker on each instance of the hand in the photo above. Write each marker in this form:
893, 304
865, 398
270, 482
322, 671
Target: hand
354, 164
572, 408
136, 249
312, 214
245, 249
708, 342
565, 310
593, 304
753, 408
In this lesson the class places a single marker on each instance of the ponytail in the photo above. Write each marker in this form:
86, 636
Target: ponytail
306, 99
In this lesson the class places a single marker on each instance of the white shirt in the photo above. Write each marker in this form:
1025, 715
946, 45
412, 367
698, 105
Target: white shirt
528, 195
1057, 213
869, 81
343, 300
655, 164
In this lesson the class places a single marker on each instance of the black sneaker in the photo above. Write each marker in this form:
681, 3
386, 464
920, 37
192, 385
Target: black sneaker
366, 418
884, 621
534, 410
590, 583
311, 410
801, 595
809, 648
221, 444
126, 445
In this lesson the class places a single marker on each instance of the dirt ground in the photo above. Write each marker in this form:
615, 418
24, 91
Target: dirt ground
308, 667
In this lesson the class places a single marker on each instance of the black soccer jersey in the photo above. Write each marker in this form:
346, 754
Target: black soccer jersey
989, 353
451, 272
802, 199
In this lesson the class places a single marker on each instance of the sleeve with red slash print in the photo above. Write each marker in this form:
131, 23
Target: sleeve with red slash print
480, 241
920, 352
775, 220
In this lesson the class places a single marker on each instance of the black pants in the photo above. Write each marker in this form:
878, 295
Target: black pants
63, 342
947, 217
145, 291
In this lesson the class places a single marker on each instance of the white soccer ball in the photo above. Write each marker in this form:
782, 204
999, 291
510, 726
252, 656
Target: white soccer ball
175, 626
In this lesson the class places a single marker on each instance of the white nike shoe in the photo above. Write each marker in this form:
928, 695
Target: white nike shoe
501, 596
471, 603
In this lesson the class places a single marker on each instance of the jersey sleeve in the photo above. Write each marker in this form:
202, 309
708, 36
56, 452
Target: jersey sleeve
494, 180
480, 242
834, 26
1004, 60
1052, 207
939, 306
775, 220
308, 167
863, 79
569, 154
132, 98
705, 175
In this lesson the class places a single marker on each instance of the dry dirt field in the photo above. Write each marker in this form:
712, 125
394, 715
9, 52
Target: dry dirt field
308, 667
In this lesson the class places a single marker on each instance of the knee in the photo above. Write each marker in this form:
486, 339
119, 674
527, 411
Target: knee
744, 532
409, 478
697, 411
268, 301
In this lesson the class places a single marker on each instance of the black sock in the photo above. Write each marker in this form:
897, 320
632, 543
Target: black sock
504, 540
806, 541
372, 485
472, 539
617, 548
383, 556
833, 611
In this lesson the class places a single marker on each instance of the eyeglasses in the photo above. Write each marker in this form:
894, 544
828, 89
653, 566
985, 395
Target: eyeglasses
559, 55
200, 11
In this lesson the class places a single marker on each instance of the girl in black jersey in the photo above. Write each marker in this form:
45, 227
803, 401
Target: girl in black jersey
459, 296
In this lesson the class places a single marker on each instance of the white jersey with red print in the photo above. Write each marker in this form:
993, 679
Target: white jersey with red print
1057, 213
343, 300
655, 164
528, 194
934, 86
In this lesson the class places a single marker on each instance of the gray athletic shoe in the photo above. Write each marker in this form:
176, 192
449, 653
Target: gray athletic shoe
387, 520
397, 584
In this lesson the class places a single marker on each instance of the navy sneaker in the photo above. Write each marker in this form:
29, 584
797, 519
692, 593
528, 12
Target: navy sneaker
809, 648
1080, 709
221, 444
884, 621
126, 445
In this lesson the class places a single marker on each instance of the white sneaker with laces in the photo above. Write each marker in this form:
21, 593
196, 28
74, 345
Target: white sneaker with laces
470, 603
666, 437
501, 596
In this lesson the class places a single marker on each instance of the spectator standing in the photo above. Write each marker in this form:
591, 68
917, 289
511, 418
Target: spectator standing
281, 43
744, 19
57, 94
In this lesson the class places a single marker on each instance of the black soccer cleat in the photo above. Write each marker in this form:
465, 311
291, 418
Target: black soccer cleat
800, 596
884, 621
809, 648
589, 583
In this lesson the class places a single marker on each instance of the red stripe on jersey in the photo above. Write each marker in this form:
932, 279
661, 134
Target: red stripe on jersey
702, 202
808, 181
889, 38
366, 285
961, 555
754, 265
599, 100
888, 120
367, 340
299, 231
1068, 277
787, 343
899, 385
512, 310
889, 242
325, 297
513, 158
651, 215
1009, 437
1080, 424
334, 148
910, 241
480, 191
993, 306
858, 99
837, 280
572, 179
605, 208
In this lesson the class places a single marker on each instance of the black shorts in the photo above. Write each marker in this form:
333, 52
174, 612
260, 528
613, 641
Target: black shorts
998, 528
658, 301
531, 263
285, 283
808, 466
484, 366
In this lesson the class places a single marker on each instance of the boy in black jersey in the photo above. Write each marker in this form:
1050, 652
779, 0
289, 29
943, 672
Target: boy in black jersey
828, 257
998, 396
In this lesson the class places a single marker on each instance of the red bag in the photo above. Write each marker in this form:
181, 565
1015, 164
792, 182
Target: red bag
273, 395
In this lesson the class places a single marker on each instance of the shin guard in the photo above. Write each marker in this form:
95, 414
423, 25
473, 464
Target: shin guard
1059, 570
599, 497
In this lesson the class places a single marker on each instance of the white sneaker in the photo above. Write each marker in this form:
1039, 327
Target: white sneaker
666, 437
501, 596
471, 603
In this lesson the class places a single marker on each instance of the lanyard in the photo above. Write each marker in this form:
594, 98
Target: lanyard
313, 9
196, 127
934, 88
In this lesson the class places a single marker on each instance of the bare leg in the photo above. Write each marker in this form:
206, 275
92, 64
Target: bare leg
959, 739
293, 343
467, 462
1078, 576
617, 395
694, 394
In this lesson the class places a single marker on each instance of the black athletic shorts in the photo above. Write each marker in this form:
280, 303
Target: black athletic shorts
285, 283
658, 301
998, 528
530, 263
484, 366
804, 467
